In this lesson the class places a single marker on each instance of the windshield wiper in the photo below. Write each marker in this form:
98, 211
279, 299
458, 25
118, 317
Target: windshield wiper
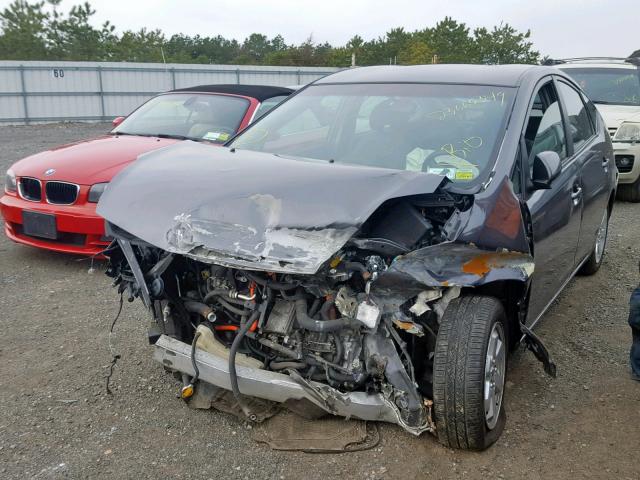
127, 133
604, 102
179, 137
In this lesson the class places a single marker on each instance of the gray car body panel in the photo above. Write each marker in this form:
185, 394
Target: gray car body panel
260, 211
250, 210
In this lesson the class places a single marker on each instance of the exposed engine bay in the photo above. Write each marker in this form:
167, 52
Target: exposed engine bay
325, 289
331, 329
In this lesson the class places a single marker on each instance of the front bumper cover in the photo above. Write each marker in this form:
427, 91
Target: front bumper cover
632, 149
278, 387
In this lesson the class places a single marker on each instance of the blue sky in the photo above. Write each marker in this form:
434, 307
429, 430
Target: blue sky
560, 28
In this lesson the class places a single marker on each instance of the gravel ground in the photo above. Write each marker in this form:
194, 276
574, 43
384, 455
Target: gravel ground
58, 422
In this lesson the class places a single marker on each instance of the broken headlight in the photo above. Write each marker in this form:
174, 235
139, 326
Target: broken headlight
628, 132
10, 184
96, 191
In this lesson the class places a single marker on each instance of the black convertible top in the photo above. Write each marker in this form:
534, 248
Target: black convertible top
259, 92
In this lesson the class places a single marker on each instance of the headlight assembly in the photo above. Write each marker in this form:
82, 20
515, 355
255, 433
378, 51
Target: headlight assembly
10, 184
96, 191
628, 132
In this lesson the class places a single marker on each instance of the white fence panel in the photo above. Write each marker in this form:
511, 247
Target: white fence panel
35, 92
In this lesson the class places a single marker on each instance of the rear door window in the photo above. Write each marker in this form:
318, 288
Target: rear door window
580, 127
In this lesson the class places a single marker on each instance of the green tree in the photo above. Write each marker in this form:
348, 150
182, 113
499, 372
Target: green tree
36, 30
254, 49
74, 38
415, 53
503, 44
449, 40
23, 31
141, 46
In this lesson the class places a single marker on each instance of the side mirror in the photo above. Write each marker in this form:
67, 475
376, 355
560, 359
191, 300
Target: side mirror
117, 121
546, 168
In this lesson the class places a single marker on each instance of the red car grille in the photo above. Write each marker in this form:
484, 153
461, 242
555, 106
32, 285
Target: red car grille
61, 193
30, 189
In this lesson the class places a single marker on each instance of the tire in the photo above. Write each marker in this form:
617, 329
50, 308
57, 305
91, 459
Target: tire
593, 263
629, 192
459, 373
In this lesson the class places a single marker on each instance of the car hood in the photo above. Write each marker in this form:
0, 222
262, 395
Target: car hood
89, 161
614, 115
248, 209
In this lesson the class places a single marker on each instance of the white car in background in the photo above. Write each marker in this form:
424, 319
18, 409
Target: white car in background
613, 85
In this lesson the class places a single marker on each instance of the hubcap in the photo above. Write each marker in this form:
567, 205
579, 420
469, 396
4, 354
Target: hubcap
601, 238
494, 375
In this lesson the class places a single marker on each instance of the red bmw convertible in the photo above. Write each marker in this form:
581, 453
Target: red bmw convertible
50, 198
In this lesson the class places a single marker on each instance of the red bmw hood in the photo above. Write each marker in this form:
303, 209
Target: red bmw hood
90, 161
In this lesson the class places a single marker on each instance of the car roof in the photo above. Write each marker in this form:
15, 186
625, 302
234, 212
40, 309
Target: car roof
259, 92
595, 62
600, 64
502, 75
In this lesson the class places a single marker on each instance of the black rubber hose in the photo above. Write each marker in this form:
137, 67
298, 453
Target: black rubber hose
231, 308
315, 306
193, 358
214, 293
339, 349
308, 323
283, 365
233, 376
199, 308
270, 283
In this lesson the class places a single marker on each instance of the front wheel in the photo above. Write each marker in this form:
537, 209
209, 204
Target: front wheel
469, 372
593, 263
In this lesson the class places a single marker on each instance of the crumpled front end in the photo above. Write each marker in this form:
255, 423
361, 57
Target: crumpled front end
314, 297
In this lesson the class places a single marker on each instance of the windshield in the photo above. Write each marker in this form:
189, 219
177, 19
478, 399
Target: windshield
450, 130
617, 86
215, 118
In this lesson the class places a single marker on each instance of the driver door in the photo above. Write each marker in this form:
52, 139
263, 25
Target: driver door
555, 212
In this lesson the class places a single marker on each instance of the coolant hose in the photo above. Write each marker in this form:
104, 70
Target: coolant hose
199, 308
270, 283
231, 308
196, 370
214, 293
308, 323
233, 376
283, 365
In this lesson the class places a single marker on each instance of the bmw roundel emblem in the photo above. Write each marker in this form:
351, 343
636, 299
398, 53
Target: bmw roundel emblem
50, 172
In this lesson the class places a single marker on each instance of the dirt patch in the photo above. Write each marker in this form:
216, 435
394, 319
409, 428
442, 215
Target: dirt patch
58, 421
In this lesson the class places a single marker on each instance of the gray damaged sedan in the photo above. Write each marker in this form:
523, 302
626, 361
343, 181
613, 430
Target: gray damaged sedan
373, 248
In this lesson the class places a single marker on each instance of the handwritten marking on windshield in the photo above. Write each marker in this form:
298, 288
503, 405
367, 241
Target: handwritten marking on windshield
461, 149
464, 104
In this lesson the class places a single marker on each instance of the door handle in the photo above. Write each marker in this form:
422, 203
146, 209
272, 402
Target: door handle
605, 163
576, 194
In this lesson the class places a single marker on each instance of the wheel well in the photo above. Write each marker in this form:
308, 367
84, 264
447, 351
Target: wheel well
512, 295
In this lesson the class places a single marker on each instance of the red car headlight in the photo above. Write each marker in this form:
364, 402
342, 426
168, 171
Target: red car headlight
96, 191
10, 184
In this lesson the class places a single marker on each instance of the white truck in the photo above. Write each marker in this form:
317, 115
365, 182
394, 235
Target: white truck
613, 85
